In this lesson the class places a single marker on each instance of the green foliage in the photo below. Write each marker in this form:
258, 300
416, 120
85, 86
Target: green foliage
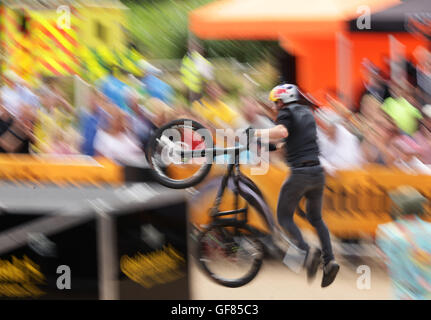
241, 50
160, 30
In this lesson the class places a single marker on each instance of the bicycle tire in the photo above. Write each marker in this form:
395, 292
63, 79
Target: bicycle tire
157, 173
231, 283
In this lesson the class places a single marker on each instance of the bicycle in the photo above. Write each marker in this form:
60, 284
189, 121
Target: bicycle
230, 238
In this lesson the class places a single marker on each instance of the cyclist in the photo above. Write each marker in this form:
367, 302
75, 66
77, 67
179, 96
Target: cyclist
296, 125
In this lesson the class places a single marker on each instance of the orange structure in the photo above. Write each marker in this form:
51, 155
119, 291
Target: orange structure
315, 31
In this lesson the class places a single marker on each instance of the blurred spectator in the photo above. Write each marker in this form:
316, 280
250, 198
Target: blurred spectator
423, 74
406, 155
211, 107
52, 97
16, 92
19, 133
253, 114
339, 149
161, 112
6, 119
386, 144
66, 141
155, 87
370, 106
375, 85
10, 94
376, 91
141, 121
404, 114
116, 142
377, 137
423, 135
115, 89
91, 120
56, 114
28, 97
406, 248
195, 69
351, 121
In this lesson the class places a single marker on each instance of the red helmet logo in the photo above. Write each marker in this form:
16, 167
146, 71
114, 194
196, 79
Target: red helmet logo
280, 91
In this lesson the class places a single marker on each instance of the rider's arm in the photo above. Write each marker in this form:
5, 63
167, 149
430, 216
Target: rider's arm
273, 134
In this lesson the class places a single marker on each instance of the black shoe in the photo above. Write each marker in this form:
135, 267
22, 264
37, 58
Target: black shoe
330, 271
312, 263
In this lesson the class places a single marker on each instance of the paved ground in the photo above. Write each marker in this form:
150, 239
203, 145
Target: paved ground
276, 282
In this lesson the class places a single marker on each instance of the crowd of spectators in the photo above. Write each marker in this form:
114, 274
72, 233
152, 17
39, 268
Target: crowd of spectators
41, 120
391, 127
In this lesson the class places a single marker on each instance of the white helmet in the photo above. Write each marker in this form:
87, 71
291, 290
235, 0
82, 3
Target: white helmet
284, 92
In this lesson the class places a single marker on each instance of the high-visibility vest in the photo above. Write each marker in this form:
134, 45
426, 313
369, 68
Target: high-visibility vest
216, 112
190, 74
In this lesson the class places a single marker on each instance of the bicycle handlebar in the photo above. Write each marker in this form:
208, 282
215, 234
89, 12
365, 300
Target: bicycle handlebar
214, 151
218, 151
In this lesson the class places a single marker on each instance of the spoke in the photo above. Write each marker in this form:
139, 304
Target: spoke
228, 260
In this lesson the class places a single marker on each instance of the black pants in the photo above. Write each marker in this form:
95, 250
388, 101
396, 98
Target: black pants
308, 182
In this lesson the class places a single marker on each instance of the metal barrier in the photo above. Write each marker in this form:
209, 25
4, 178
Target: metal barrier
60, 170
355, 202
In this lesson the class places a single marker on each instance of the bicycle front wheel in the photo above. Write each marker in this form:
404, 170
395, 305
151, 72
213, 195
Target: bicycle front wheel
166, 153
230, 256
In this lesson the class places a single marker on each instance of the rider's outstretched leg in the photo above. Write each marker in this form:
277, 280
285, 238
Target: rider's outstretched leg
291, 193
314, 213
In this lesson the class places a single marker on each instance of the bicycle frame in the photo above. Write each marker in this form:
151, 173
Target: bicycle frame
242, 186
246, 188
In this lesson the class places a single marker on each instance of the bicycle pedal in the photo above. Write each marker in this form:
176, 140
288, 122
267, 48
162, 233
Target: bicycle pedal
295, 259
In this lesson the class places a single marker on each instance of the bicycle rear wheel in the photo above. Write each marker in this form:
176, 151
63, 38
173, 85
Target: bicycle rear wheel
170, 167
230, 256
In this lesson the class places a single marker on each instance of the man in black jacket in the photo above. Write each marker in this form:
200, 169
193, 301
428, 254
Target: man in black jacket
297, 127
